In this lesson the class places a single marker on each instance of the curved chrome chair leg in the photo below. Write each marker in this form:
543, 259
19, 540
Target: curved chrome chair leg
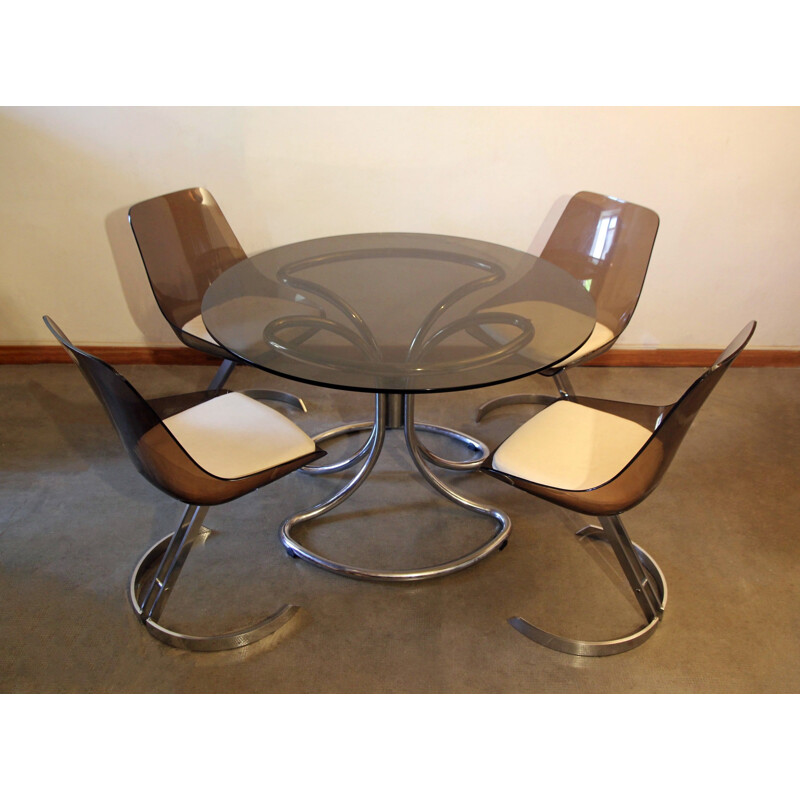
278, 396
149, 592
510, 400
224, 372
563, 384
372, 451
639, 568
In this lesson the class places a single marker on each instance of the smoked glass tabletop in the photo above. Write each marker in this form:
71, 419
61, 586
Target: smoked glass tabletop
398, 312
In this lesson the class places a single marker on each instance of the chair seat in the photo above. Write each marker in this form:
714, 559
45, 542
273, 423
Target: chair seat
600, 336
197, 328
233, 436
570, 446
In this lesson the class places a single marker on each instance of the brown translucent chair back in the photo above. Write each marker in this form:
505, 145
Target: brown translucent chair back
154, 451
606, 244
185, 242
670, 423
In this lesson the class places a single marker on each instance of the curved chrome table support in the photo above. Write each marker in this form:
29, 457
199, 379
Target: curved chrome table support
335, 433
357, 427
563, 384
652, 596
148, 597
371, 451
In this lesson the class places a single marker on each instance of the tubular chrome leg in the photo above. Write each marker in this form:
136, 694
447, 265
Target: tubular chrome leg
474, 444
564, 385
395, 411
172, 561
374, 446
646, 580
395, 418
149, 598
222, 374
391, 411
373, 449
504, 523
334, 433
439, 461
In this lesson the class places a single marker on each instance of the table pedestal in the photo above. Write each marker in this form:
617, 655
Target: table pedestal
396, 411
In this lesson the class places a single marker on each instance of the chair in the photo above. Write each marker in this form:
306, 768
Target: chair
601, 458
203, 448
185, 243
606, 244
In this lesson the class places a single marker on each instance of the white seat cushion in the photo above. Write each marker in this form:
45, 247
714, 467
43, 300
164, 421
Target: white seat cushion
233, 435
599, 336
550, 322
570, 446
196, 328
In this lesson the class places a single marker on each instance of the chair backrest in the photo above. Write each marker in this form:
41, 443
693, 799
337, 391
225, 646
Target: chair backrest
152, 448
606, 244
645, 471
185, 243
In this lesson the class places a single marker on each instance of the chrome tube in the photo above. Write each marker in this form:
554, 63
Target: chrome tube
373, 448
639, 568
418, 454
148, 593
221, 375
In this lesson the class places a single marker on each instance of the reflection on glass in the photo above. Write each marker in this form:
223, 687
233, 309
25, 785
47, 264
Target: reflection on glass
604, 235
398, 312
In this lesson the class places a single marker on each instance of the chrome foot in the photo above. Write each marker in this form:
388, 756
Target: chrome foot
577, 647
646, 580
148, 595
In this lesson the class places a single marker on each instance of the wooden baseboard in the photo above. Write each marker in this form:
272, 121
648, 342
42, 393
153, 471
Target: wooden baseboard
672, 357
55, 354
184, 356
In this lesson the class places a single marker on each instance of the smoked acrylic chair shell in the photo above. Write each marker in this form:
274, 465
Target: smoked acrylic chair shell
186, 243
602, 458
204, 448
606, 244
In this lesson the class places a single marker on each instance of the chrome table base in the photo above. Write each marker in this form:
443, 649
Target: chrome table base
395, 411
155, 575
639, 569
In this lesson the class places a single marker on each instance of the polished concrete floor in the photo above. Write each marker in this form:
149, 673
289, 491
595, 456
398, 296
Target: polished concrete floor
75, 517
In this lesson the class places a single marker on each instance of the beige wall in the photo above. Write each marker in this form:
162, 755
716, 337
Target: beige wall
725, 182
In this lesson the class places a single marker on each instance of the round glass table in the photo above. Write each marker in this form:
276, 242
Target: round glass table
396, 315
